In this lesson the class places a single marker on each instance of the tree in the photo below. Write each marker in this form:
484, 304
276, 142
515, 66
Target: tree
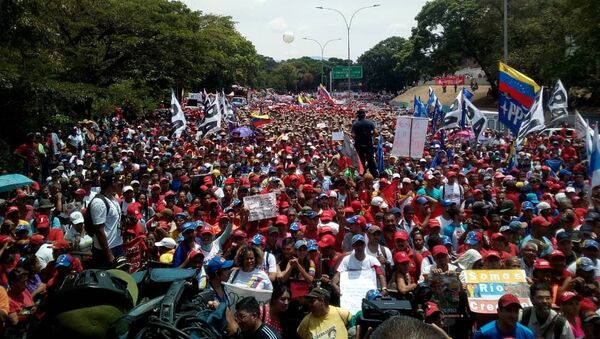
379, 65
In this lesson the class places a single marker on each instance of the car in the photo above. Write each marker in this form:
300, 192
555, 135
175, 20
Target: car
238, 101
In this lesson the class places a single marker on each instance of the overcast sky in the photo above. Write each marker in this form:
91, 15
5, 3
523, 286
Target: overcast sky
264, 22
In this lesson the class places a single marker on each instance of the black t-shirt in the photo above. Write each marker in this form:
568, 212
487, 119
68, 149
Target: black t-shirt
363, 131
263, 332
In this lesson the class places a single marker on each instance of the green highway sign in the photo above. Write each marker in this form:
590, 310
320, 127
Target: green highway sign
341, 72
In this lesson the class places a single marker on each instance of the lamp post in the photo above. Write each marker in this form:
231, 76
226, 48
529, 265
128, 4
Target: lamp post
322, 46
505, 31
348, 25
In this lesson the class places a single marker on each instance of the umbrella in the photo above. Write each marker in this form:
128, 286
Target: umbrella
244, 131
9, 182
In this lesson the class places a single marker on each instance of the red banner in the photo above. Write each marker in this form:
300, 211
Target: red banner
450, 80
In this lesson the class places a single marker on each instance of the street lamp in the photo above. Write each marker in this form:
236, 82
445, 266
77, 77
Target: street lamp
322, 46
348, 25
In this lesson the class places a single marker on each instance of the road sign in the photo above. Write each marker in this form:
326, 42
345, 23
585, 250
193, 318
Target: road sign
341, 72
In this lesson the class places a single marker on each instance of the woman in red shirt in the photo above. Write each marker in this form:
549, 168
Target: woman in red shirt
21, 305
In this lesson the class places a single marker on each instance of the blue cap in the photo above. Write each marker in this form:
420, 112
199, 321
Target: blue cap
472, 238
373, 294
300, 243
63, 260
258, 239
527, 205
446, 203
312, 245
358, 237
396, 210
181, 215
586, 264
532, 197
236, 202
21, 228
591, 243
422, 200
515, 225
311, 214
294, 227
188, 226
218, 263
565, 172
352, 220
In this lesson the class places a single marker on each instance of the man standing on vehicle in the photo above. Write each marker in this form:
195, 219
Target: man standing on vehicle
106, 219
363, 132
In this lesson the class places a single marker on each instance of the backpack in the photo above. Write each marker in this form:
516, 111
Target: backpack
558, 321
88, 223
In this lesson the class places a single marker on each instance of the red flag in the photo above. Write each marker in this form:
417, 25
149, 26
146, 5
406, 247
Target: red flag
389, 193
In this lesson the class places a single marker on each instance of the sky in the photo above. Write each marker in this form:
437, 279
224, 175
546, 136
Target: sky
264, 23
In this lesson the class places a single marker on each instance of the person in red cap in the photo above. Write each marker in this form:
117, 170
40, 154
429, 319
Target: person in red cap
507, 325
402, 277
492, 260
441, 264
542, 271
43, 228
569, 307
327, 221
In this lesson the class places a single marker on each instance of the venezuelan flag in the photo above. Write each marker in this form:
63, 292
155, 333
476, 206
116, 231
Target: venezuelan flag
259, 120
516, 84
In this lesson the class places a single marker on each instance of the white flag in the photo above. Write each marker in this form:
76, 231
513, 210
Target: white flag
477, 120
212, 117
558, 102
534, 119
452, 119
594, 160
177, 117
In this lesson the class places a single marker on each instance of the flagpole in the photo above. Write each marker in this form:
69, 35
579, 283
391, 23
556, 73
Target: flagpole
506, 31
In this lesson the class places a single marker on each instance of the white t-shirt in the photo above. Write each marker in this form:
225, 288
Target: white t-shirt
350, 263
110, 219
452, 192
269, 264
257, 279
381, 250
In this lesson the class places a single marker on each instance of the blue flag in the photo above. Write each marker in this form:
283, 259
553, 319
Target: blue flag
467, 94
510, 113
432, 99
419, 109
379, 155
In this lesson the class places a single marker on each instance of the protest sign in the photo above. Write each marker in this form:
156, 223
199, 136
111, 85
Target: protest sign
261, 206
321, 125
401, 145
337, 136
237, 292
417, 137
445, 290
485, 287
354, 286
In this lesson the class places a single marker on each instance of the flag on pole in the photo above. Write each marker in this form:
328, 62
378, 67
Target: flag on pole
477, 120
177, 116
519, 86
453, 118
379, 155
594, 161
432, 99
349, 151
259, 120
558, 102
419, 109
534, 119
323, 92
390, 192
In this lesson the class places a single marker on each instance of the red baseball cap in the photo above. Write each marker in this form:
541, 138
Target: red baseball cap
401, 257
308, 188
498, 235
400, 235
507, 300
434, 223
61, 245
541, 264
41, 221
281, 219
439, 249
239, 234
326, 241
556, 253
327, 215
206, 229
432, 308
540, 221
356, 205
490, 254
12, 209
566, 296
36, 239
134, 211
325, 230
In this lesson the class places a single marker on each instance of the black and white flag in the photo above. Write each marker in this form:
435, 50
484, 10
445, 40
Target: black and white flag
534, 119
177, 117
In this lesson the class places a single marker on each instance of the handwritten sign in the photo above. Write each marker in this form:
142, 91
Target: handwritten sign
485, 287
321, 125
354, 286
337, 136
237, 292
401, 145
261, 206
417, 137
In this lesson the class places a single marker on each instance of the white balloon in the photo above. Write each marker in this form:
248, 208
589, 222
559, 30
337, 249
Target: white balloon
288, 37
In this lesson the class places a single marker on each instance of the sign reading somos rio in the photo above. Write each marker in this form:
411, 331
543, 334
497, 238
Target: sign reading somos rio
485, 287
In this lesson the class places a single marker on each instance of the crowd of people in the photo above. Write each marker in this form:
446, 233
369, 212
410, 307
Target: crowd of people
125, 193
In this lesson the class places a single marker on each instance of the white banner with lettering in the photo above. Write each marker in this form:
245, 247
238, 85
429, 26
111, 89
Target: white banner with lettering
354, 286
261, 206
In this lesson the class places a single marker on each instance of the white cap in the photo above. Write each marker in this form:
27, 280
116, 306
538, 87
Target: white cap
76, 218
377, 201
406, 181
570, 189
333, 194
133, 182
543, 206
127, 188
166, 242
396, 176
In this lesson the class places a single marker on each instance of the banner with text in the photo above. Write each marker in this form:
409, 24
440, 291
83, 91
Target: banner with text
485, 287
450, 80
355, 285
409, 136
262, 206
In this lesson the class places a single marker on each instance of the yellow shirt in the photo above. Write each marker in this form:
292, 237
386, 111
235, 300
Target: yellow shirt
332, 325
167, 258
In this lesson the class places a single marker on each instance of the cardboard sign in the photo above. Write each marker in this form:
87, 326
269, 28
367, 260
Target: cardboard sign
337, 136
401, 145
262, 206
417, 137
485, 287
237, 292
354, 286
445, 290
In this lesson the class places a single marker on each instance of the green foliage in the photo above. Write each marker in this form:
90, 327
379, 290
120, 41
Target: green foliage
379, 66
64, 60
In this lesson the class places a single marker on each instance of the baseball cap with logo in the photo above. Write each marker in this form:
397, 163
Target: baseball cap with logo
358, 238
509, 299
41, 221
218, 263
166, 242
327, 240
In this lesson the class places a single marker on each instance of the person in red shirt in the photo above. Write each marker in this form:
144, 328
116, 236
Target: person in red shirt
558, 263
21, 305
43, 228
414, 266
311, 220
501, 245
